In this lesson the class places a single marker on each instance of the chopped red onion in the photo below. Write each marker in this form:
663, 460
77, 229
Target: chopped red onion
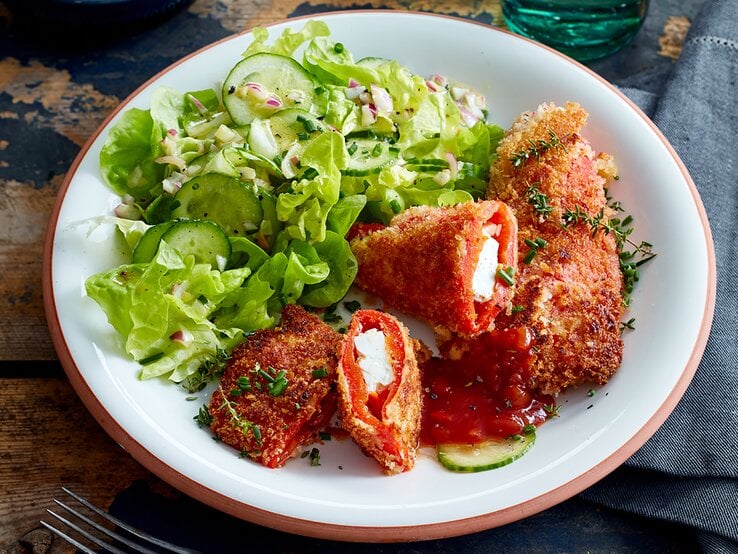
127, 211
273, 102
382, 99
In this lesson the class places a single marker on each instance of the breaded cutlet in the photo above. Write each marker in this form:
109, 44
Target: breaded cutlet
278, 389
570, 294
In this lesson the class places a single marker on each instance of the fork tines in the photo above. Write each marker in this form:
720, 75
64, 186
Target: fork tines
89, 534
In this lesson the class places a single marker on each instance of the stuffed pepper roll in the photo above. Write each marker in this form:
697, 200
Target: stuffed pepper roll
277, 392
379, 391
453, 267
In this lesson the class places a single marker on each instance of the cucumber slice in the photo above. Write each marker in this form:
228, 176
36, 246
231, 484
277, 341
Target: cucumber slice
368, 156
278, 76
148, 244
270, 225
203, 239
372, 62
292, 125
427, 162
490, 454
228, 202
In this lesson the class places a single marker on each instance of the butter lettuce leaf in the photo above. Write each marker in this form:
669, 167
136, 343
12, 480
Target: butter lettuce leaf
288, 41
163, 311
305, 209
127, 156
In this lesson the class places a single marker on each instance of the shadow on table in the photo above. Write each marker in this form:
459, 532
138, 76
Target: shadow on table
574, 526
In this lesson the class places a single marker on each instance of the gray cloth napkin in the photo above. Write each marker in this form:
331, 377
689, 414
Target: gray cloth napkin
688, 471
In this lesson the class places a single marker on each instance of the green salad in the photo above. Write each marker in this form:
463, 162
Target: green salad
236, 201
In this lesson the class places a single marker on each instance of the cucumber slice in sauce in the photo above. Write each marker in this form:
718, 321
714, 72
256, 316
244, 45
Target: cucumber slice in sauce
292, 125
278, 77
368, 156
490, 454
232, 204
203, 239
148, 244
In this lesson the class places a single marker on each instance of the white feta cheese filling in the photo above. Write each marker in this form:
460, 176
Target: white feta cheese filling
373, 359
483, 280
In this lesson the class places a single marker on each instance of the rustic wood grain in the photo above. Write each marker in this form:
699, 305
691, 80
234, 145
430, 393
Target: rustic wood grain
24, 211
239, 15
671, 40
49, 439
43, 98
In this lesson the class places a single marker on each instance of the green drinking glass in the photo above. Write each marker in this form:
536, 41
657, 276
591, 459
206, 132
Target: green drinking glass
583, 29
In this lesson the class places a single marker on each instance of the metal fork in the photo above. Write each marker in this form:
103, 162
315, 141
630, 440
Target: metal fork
148, 540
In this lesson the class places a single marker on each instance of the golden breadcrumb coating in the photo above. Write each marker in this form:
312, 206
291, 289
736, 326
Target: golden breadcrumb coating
570, 294
423, 264
250, 413
387, 429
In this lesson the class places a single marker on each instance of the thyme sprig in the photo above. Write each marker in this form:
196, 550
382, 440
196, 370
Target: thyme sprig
536, 148
631, 255
203, 417
552, 410
210, 370
538, 200
237, 421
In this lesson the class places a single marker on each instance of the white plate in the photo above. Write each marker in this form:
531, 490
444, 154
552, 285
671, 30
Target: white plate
672, 304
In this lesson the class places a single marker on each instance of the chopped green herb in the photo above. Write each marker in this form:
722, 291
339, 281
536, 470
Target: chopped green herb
591, 392
151, 359
235, 392
310, 173
534, 246
264, 374
203, 417
352, 305
538, 200
630, 324
338, 48
551, 410
257, 433
243, 383
507, 274
325, 436
320, 373
536, 148
332, 318
517, 309
529, 429
279, 384
309, 125
314, 457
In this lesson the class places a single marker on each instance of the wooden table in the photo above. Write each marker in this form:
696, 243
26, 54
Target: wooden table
53, 94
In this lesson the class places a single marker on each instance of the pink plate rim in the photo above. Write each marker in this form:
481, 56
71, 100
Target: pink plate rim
360, 533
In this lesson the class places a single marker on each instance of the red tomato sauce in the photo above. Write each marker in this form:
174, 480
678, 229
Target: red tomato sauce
484, 394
